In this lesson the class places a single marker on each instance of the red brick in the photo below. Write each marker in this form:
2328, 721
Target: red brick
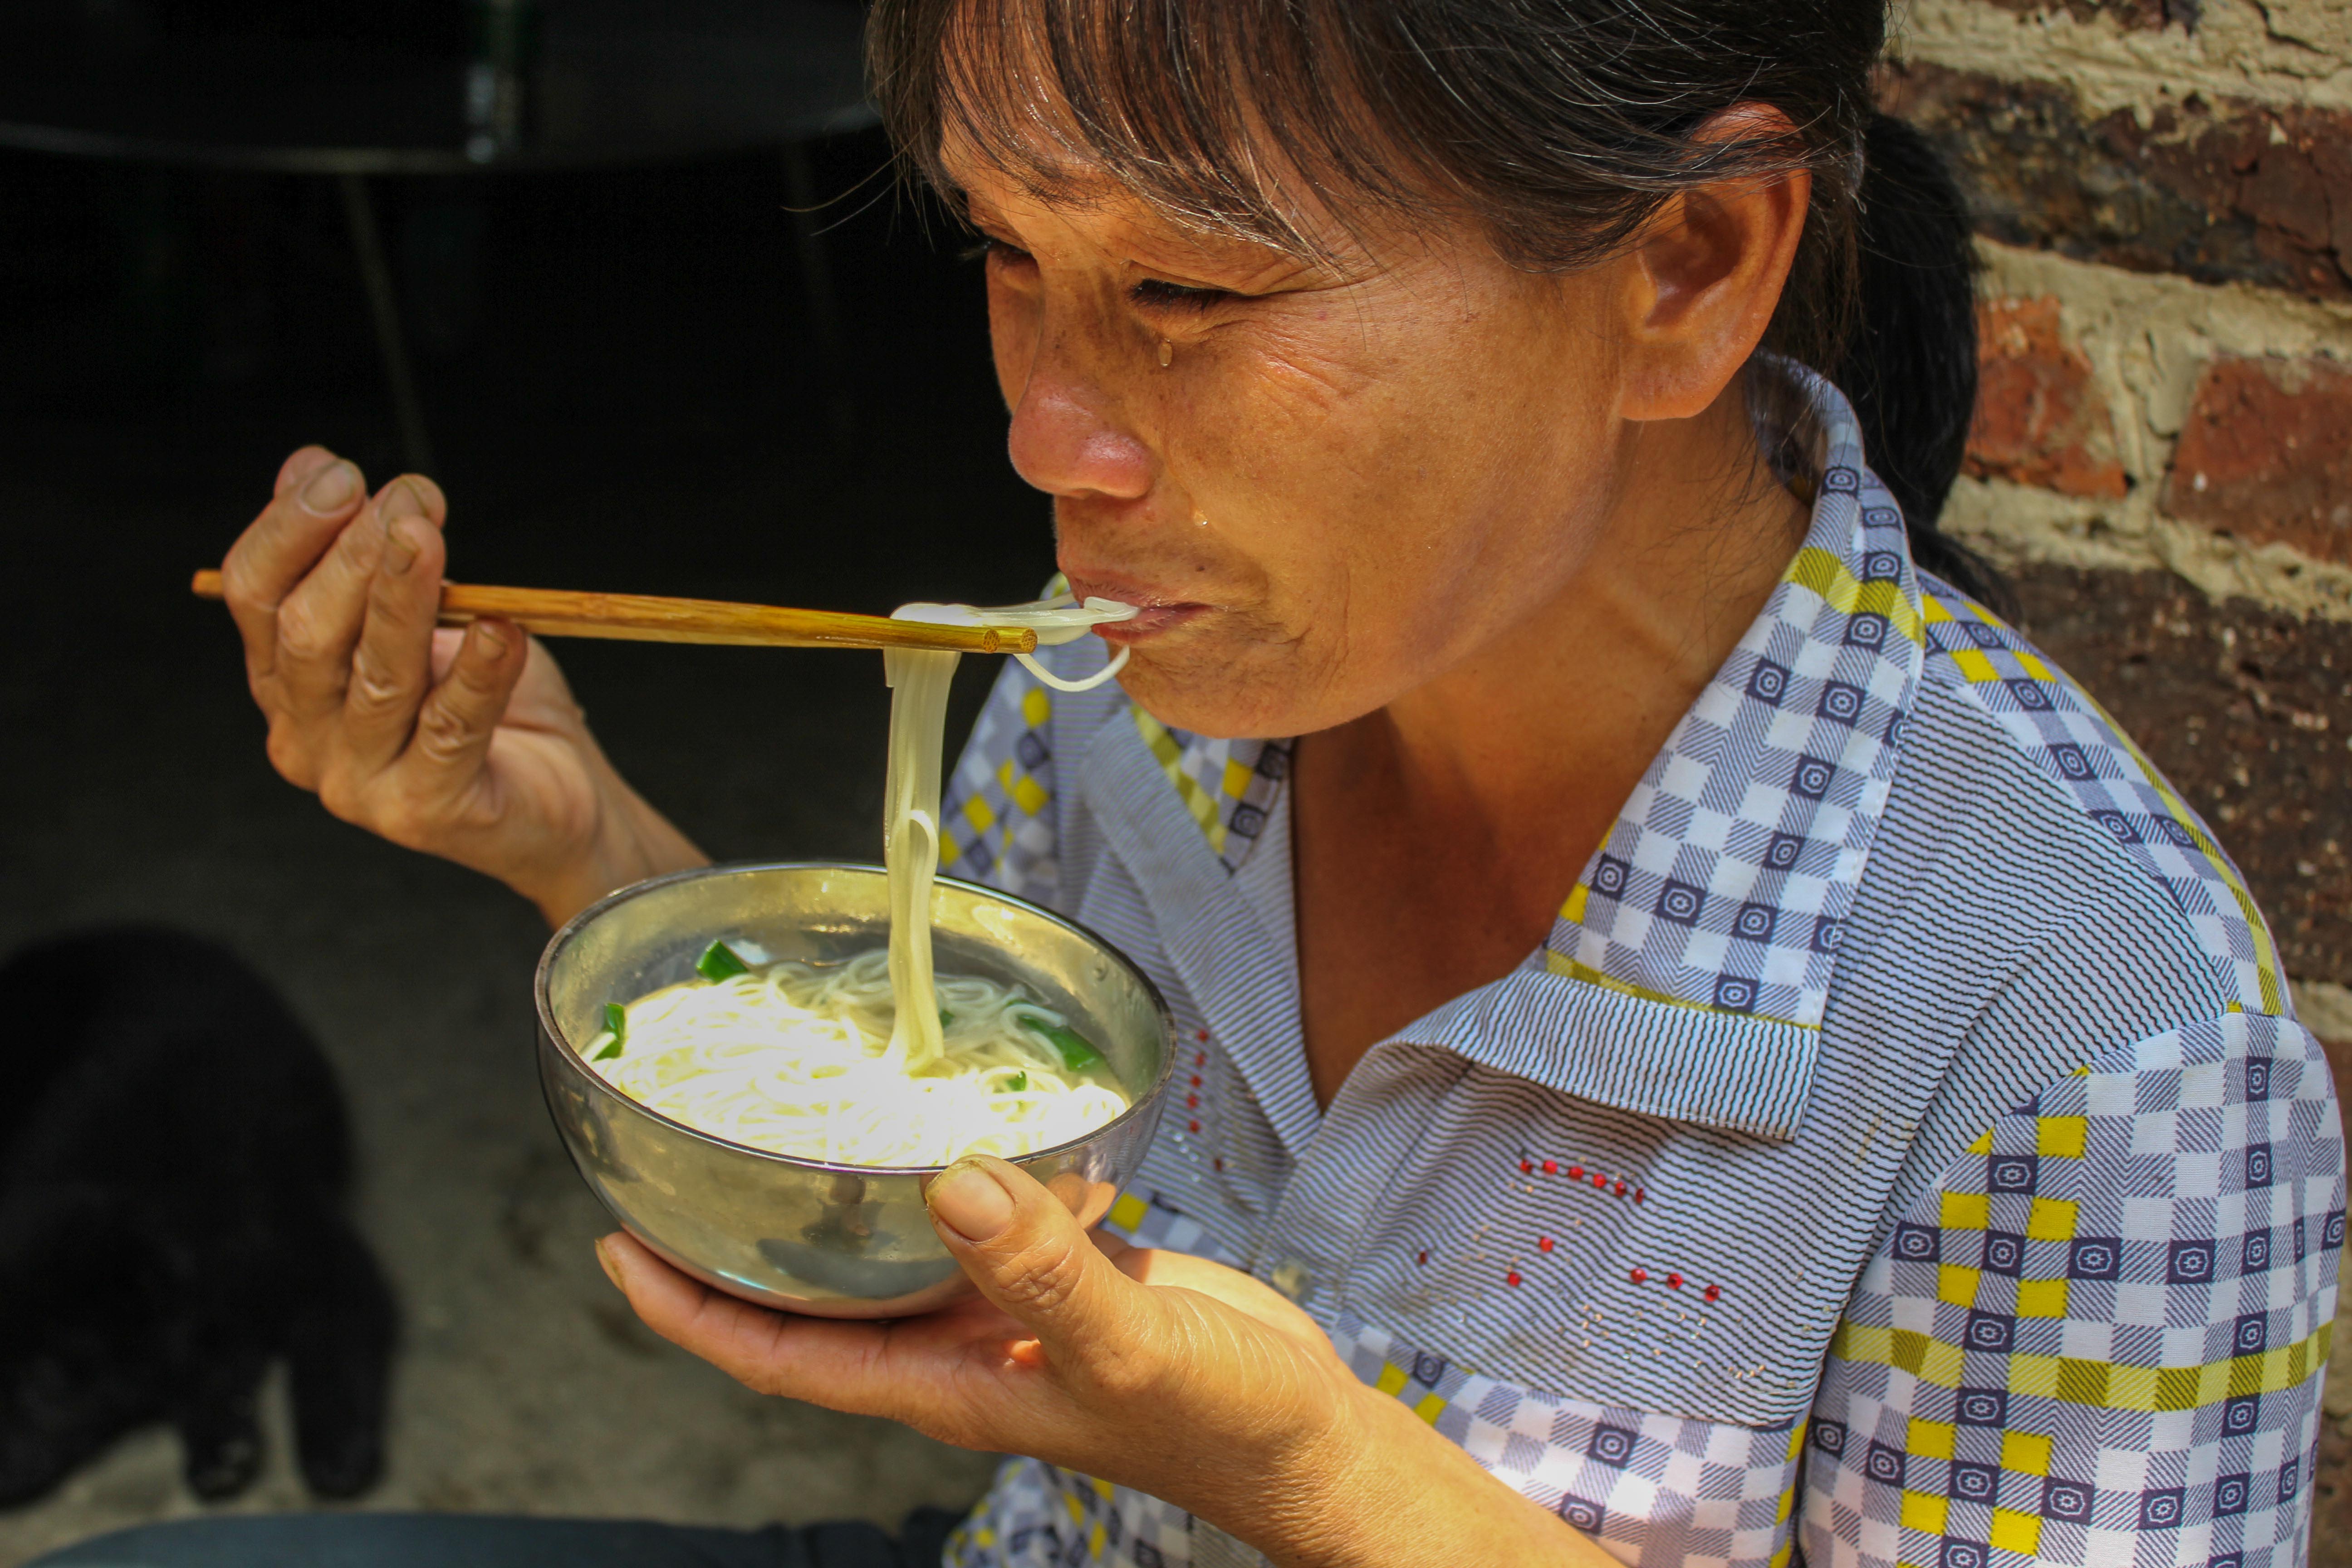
2039, 420
2266, 454
2221, 191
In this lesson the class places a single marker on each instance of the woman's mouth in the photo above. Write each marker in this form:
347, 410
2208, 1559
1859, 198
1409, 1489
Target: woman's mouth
1155, 613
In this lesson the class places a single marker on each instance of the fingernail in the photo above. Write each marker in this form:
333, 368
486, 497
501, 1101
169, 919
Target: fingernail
972, 1202
400, 545
493, 641
604, 1258
330, 489
400, 499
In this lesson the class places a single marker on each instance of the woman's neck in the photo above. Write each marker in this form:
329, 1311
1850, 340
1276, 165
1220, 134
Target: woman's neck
1584, 690
1437, 837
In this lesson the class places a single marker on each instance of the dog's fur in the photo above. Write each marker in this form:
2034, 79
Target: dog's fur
174, 1157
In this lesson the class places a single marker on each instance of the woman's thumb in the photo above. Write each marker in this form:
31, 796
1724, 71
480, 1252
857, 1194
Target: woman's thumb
1027, 1251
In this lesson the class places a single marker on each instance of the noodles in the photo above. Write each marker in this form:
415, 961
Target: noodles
1084, 683
802, 1060
1055, 620
910, 838
875, 1061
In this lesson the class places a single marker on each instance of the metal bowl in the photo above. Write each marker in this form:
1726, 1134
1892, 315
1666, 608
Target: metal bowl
833, 1241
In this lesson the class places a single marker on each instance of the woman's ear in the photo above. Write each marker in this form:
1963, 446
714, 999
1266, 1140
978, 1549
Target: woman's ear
1706, 274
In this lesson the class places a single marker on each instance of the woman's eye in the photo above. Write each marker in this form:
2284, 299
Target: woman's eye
1154, 293
994, 250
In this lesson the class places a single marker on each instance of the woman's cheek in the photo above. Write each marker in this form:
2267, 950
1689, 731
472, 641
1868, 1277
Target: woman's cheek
1333, 473
1263, 427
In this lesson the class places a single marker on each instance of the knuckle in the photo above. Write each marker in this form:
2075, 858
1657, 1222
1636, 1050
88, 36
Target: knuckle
300, 634
290, 755
341, 797
443, 733
236, 580
374, 690
1043, 1277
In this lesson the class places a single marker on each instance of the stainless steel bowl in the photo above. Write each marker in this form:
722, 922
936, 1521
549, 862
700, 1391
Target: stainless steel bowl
835, 1241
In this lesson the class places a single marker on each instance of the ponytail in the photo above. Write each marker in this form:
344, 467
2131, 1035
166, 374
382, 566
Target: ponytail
1909, 361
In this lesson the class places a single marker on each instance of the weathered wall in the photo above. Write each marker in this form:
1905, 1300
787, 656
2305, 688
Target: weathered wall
2162, 455
2164, 193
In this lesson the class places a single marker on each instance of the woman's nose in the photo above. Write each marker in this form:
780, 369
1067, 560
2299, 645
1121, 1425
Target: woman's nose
1064, 439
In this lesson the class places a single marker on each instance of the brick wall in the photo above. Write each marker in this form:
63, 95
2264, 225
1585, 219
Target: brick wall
2164, 189
2162, 453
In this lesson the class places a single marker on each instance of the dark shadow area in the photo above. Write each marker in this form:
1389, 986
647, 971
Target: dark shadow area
622, 381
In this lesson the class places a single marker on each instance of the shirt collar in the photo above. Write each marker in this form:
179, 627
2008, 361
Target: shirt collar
1687, 972
1727, 879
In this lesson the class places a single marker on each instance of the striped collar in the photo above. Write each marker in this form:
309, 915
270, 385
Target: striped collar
1687, 972
1726, 881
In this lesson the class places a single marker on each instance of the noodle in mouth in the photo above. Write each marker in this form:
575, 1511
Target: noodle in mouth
874, 1062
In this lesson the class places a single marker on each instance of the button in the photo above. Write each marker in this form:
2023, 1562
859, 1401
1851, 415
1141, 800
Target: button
1293, 1278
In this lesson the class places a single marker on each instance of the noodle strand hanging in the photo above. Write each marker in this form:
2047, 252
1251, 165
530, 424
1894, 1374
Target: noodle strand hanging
875, 1061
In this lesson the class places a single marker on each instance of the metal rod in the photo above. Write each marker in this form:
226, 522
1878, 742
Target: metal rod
384, 305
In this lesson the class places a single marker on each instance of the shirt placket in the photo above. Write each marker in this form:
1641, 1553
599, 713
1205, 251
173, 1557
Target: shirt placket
1313, 1240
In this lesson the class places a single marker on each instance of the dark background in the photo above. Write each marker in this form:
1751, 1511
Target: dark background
621, 384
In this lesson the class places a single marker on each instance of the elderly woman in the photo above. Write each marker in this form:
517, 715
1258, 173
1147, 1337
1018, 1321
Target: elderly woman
1698, 1043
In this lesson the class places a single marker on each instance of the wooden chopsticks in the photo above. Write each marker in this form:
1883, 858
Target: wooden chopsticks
644, 617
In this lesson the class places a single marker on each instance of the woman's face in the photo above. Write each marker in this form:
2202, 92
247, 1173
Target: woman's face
1343, 480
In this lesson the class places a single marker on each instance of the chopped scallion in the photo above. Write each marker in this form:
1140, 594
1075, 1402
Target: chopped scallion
719, 962
1077, 1052
616, 1024
1020, 1082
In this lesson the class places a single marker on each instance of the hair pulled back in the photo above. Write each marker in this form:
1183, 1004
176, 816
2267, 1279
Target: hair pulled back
1557, 125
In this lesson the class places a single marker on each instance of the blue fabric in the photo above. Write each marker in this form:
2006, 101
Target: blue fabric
488, 1541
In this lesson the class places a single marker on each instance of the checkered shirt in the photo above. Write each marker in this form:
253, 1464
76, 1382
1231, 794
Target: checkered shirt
1901, 1150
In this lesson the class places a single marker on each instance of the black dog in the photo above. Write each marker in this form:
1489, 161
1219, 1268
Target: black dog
174, 1157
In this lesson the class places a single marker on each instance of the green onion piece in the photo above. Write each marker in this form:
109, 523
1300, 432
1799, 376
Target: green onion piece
947, 1019
616, 1024
1020, 1082
1078, 1053
719, 962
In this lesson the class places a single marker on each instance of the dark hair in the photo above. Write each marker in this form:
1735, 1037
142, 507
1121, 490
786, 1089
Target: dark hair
1557, 125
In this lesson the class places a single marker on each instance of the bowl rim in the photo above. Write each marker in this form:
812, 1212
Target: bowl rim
1141, 1104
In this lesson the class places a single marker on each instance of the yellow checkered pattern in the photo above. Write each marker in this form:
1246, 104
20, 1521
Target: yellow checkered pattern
1959, 1426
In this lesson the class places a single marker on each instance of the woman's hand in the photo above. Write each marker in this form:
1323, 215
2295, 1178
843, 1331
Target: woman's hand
1164, 1373
466, 745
